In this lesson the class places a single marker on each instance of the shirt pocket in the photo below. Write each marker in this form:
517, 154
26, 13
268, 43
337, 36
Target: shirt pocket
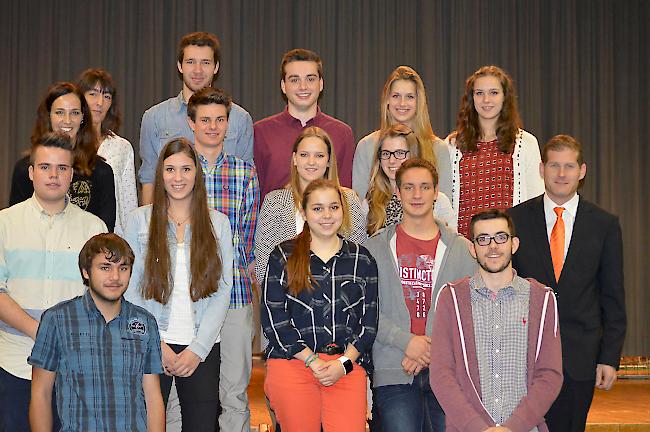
167, 135
132, 349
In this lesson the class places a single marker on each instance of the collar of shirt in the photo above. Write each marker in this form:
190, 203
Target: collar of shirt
41, 211
570, 206
515, 287
291, 119
91, 308
345, 248
207, 167
180, 103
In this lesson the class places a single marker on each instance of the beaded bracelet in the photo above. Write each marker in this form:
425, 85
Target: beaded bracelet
310, 359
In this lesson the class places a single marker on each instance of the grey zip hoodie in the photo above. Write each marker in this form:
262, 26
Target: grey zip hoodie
453, 261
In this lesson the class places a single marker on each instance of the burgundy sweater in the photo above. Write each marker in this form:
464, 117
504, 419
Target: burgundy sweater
454, 373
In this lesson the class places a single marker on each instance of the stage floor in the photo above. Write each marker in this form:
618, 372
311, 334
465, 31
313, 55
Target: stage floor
625, 408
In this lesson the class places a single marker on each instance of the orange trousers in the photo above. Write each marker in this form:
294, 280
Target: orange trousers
302, 404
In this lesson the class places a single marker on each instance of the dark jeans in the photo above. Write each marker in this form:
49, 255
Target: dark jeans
198, 394
14, 404
410, 407
569, 411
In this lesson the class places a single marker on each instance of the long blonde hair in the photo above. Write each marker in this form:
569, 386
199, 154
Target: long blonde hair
331, 172
380, 190
421, 124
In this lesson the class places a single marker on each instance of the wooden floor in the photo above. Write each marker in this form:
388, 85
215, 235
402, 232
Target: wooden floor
625, 408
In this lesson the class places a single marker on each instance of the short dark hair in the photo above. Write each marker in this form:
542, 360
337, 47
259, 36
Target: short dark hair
489, 215
56, 139
301, 54
561, 142
87, 81
416, 163
112, 246
199, 39
208, 96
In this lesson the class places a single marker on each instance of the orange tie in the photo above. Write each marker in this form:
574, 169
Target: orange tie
557, 243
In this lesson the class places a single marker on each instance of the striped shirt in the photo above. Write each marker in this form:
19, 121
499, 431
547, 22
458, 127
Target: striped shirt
501, 332
342, 307
232, 187
39, 267
99, 366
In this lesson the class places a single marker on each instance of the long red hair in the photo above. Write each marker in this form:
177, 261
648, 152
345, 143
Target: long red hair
468, 130
299, 277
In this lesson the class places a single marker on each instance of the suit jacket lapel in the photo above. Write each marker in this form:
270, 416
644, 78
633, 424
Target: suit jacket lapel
540, 236
580, 232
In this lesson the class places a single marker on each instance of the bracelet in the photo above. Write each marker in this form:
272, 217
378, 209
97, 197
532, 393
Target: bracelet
309, 360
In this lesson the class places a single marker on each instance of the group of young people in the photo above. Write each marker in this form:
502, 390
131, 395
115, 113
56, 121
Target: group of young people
388, 262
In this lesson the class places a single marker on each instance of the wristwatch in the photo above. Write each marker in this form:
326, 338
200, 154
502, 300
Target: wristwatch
347, 364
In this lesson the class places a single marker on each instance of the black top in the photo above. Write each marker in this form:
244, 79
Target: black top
95, 194
341, 309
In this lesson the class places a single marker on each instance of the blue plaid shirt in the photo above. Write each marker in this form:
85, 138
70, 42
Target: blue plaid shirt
232, 187
99, 366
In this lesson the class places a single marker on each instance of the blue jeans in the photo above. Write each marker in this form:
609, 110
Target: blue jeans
15, 394
410, 407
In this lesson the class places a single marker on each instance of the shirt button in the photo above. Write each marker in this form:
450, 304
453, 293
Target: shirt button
496, 351
496, 375
496, 400
496, 326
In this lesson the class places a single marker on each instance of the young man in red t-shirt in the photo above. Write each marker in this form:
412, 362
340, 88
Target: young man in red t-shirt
415, 258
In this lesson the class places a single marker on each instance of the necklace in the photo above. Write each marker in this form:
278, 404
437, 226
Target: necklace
171, 216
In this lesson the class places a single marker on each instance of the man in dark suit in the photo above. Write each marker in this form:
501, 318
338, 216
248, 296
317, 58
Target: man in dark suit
575, 247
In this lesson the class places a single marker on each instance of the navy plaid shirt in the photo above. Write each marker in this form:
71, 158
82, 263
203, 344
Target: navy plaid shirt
342, 308
99, 366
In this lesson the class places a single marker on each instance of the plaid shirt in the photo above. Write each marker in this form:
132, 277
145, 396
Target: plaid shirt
342, 307
501, 332
232, 187
99, 366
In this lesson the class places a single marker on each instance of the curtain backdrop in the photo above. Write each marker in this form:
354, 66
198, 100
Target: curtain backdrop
581, 67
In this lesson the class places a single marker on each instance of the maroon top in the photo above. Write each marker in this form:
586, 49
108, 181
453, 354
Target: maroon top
416, 260
486, 181
454, 373
274, 138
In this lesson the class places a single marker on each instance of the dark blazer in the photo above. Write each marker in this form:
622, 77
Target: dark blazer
590, 295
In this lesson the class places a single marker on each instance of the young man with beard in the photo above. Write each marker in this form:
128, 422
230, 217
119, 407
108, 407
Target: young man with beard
576, 248
301, 83
415, 259
198, 64
102, 352
39, 242
496, 362
232, 188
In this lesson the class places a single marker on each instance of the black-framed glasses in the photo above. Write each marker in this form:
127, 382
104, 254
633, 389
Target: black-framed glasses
397, 154
485, 240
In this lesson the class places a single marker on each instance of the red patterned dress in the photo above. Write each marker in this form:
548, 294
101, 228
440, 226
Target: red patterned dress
486, 181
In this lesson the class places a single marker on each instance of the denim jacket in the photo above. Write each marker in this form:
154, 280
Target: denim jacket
210, 312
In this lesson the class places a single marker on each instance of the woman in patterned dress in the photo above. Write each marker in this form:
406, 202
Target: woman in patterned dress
494, 162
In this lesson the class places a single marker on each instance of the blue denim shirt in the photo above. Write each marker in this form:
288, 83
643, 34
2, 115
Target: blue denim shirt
168, 120
210, 312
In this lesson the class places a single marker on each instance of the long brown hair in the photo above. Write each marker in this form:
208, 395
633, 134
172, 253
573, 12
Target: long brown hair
331, 172
468, 129
380, 190
299, 277
421, 123
87, 81
205, 260
85, 144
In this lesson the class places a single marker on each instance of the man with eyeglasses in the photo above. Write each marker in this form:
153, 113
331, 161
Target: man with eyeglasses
576, 248
301, 83
496, 361
414, 258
